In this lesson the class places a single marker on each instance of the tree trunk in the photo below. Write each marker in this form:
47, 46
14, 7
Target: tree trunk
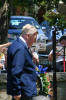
4, 23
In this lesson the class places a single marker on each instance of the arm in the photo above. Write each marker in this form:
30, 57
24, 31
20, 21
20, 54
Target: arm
1, 65
50, 57
5, 45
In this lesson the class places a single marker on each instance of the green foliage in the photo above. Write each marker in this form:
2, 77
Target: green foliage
51, 17
23, 3
55, 19
48, 3
64, 1
43, 3
62, 22
45, 83
0, 3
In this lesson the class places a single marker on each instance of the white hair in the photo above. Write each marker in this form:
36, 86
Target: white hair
28, 29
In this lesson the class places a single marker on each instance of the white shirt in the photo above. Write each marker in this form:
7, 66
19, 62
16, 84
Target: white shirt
59, 58
23, 40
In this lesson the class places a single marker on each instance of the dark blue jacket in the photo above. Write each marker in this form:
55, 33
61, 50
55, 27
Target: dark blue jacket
21, 75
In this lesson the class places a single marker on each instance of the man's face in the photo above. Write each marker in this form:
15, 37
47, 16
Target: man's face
63, 42
32, 39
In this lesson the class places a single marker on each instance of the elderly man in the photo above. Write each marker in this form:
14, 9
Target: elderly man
21, 76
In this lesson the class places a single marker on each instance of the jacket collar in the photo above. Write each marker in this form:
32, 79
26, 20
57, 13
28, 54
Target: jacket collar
23, 40
24, 44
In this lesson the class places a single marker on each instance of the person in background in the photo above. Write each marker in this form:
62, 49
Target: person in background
59, 54
36, 60
1, 66
3, 48
4, 45
35, 57
58, 58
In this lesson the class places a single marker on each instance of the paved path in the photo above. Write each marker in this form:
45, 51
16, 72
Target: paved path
4, 96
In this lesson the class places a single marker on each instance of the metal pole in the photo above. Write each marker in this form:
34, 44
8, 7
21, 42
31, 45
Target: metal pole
54, 66
64, 59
